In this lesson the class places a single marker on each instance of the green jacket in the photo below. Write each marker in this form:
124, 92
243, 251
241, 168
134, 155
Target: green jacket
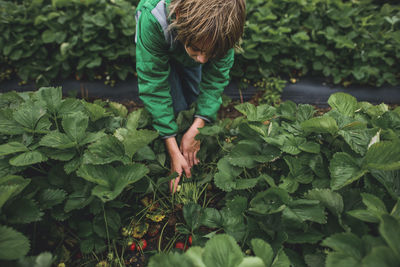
155, 45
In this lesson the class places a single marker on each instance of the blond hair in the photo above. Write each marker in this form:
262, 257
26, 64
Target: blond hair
216, 24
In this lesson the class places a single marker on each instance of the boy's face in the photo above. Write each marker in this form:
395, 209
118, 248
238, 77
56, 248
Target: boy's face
197, 53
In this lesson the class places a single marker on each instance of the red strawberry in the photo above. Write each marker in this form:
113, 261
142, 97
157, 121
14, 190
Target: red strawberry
132, 247
180, 245
190, 240
142, 244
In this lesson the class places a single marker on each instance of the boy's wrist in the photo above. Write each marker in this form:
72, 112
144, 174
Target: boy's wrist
171, 145
198, 123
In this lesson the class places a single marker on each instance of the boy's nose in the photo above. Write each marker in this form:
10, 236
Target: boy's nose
202, 58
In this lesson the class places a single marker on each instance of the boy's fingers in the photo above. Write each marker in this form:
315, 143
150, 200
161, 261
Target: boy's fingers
196, 160
187, 171
172, 186
191, 160
186, 156
176, 184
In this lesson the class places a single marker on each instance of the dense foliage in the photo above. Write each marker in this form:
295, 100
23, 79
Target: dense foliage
293, 187
66, 162
344, 41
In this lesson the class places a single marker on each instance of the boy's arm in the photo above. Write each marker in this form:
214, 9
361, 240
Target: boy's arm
153, 71
215, 78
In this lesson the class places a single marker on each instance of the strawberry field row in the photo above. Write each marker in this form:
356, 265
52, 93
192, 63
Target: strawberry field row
278, 186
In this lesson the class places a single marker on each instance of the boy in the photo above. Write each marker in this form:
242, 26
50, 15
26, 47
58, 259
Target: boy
184, 52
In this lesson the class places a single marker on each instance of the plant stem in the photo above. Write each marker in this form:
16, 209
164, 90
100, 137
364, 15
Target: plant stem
105, 221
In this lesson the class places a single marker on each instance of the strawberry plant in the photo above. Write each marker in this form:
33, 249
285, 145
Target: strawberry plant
311, 187
344, 41
278, 186
65, 164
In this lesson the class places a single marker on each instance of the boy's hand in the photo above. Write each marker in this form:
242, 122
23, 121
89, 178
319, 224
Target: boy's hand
178, 162
189, 146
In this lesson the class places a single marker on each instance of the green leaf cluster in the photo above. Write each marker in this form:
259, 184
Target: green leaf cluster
65, 160
296, 179
343, 41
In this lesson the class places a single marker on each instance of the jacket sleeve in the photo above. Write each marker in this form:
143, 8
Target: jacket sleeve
153, 70
215, 77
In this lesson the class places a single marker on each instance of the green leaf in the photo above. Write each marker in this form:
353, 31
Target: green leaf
104, 150
242, 155
22, 211
79, 199
310, 147
364, 215
233, 223
211, 218
91, 137
242, 184
305, 210
344, 170
111, 181
390, 231
237, 205
221, 251
252, 262
346, 243
8, 125
287, 110
304, 112
134, 140
173, 259
107, 223
118, 109
44, 259
390, 180
270, 201
374, 203
225, 178
29, 114
281, 260
383, 156
51, 197
299, 170
48, 36
28, 158
73, 165
331, 200
69, 106
95, 111
134, 118
259, 113
315, 259
10, 186
341, 259
263, 250
324, 124
358, 139
11, 148
292, 144
52, 97
192, 213
381, 256
309, 236
75, 125
99, 20
58, 140
343, 102
13, 244
194, 254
